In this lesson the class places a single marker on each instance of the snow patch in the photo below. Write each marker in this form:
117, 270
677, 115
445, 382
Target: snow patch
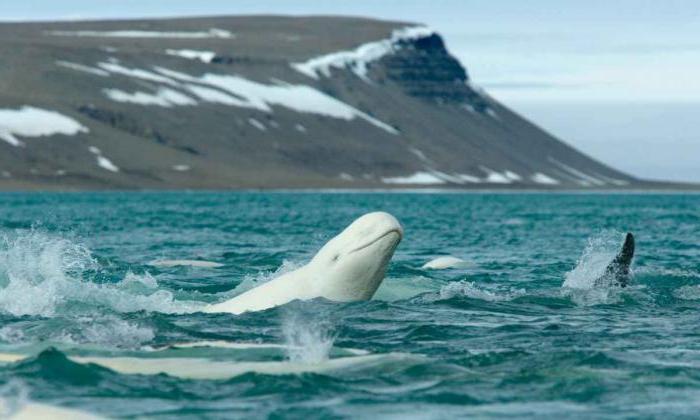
181, 168
618, 182
512, 176
102, 161
213, 95
260, 96
211, 33
82, 68
235, 90
495, 177
580, 177
257, 124
300, 128
418, 178
113, 67
468, 178
358, 60
164, 97
540, 178
29, 121
419, 154
203, 56
346, 177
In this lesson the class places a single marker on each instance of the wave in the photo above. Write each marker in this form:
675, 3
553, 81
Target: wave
47, 275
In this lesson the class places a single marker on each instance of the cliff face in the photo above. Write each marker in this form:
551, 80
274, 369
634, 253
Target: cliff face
425, 69
245, 102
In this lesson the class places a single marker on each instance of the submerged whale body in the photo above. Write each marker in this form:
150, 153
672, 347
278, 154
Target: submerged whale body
619, 269
441, 263
350, 267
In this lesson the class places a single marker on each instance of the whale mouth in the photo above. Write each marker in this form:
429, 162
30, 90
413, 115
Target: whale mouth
397, 231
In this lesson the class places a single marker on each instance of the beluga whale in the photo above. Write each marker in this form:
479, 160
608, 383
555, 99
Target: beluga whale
618, 271
350, 267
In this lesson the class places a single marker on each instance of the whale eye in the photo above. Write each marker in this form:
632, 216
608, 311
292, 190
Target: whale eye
336, 257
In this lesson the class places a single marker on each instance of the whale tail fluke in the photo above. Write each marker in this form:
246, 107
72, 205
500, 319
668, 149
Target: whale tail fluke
619, 269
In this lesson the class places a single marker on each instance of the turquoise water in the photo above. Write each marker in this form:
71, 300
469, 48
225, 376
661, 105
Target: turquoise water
520, 332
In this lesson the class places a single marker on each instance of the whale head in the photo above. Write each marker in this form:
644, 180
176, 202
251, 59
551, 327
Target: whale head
351, 266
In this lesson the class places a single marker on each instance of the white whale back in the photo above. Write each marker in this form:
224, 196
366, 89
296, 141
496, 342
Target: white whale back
350, 267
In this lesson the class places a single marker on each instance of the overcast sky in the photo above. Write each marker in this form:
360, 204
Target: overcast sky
617, 79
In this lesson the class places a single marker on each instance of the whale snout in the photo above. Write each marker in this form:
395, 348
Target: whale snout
376, 227
383, 221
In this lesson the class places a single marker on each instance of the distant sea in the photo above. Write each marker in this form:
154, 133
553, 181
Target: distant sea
521, 331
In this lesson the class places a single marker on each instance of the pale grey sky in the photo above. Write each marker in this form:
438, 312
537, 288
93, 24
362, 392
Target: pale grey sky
617, 79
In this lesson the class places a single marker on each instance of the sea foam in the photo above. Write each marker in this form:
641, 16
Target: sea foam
47, 275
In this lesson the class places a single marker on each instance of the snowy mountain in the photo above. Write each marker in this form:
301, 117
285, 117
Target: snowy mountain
261, 102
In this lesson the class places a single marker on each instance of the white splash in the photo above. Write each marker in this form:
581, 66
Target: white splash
211, 33
472, 290
359, 59
307, 340
105, 331
13, 396
29, 121
41, 274
16, 405
599, 252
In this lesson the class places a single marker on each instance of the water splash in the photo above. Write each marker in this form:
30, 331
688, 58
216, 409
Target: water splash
47, 275
307, 339
471, 290
599, 252
13, 396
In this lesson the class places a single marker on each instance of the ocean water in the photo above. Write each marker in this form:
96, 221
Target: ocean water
520, 332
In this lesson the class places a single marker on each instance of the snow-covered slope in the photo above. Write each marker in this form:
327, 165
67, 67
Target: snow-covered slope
240, 102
